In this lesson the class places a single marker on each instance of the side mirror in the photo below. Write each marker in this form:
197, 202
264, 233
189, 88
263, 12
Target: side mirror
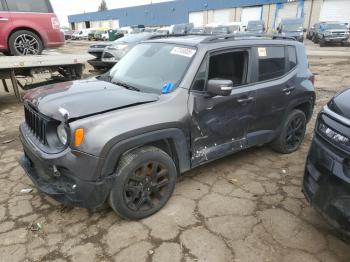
219, 87
304, 30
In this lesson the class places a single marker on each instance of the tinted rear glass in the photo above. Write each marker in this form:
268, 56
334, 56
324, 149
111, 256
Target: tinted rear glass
37, 6
271, 62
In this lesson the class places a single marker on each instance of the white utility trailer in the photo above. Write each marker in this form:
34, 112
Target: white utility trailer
39, 70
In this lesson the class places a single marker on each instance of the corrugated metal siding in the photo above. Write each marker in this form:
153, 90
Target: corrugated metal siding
173, 12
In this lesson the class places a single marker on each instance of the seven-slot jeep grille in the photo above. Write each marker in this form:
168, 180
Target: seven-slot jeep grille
36, 123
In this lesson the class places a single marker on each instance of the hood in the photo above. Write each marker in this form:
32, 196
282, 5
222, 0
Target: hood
77, 99
340, 104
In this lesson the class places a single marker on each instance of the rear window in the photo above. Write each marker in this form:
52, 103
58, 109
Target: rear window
36, 6
272, 62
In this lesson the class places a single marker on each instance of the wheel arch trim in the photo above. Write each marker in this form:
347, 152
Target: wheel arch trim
173, 134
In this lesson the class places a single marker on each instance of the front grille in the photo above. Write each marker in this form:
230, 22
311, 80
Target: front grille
36, 123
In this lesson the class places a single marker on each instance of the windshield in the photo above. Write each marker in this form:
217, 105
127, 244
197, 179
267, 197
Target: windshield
151, 66
197, 31
254, 26
235, 27
133, 38
292, 27
334, 26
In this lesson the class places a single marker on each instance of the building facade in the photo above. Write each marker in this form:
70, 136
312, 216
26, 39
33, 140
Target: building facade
202, 12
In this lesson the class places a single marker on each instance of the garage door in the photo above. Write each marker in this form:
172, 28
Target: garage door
196, 18
335, 10
250, 13
287, 11
221, 17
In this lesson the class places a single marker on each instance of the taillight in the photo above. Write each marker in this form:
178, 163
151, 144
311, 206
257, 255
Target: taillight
55, 23
312, 79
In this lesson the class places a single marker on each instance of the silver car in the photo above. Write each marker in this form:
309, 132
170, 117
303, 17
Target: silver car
113, 53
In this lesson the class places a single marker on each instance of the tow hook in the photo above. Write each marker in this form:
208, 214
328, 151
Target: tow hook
56, 173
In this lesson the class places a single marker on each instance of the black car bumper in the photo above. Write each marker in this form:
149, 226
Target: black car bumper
56, 175
326, 183
336, 39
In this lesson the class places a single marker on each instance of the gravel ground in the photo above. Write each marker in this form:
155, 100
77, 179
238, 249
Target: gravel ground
245, 207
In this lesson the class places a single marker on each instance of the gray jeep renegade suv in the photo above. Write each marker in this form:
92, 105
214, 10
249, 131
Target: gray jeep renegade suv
168, 106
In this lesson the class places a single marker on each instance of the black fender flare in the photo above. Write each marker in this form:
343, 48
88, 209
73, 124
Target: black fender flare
297, 102
175, 134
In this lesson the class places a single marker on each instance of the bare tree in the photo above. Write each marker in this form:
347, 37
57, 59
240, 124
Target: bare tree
103, 6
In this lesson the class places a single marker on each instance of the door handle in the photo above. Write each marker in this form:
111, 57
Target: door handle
245, 100
3, 19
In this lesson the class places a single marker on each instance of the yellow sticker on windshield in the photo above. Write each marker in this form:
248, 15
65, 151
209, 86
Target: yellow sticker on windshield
187, 52
262, 51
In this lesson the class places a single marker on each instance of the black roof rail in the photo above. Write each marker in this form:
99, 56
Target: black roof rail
156, 36
229, 37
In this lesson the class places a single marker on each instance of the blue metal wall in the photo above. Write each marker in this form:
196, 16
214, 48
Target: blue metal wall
167, 13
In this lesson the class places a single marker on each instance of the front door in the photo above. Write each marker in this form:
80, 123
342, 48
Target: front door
219, 124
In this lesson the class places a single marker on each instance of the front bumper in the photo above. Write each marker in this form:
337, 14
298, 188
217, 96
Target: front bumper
336, 39
326, 183
69, 185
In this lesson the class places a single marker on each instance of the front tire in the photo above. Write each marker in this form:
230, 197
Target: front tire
24, 42
145, 180
292, 133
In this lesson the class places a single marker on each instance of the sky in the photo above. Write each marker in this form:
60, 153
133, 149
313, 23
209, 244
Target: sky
63, 8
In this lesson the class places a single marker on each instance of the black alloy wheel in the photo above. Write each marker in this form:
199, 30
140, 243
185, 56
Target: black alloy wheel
295, 133
147, 186
145, 180
292, 133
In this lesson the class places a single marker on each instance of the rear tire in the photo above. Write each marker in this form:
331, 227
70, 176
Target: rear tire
292, 133
145, 180
24, 42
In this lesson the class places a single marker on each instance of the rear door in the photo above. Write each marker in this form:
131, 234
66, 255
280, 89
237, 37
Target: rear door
275, 82
5, 25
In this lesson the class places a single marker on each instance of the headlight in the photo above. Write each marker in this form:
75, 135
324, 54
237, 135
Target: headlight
62, 134
334, 135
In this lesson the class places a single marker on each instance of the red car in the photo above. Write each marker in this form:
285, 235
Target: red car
28, 26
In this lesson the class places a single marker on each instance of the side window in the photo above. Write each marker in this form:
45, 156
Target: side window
201, 77
37, 6
272, 62
229, 66
1, 6
292, 57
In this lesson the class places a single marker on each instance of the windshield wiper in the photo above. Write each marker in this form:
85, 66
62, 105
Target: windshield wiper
125, 85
